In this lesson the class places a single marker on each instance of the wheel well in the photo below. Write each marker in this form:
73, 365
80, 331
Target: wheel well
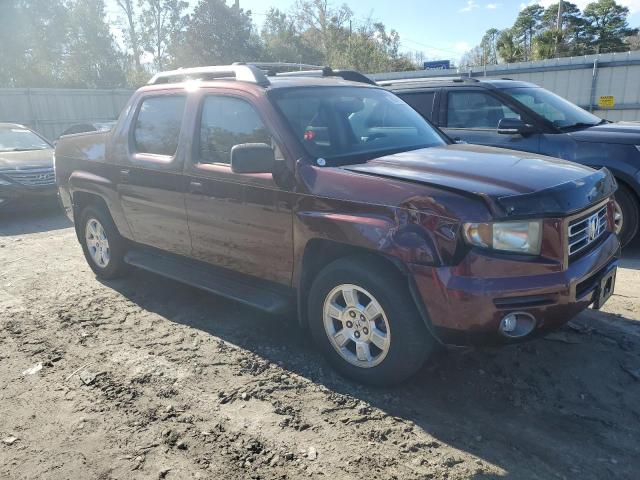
319, 253
628, 187
81, 200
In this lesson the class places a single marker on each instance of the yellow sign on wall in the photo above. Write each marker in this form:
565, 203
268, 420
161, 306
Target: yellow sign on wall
607, 101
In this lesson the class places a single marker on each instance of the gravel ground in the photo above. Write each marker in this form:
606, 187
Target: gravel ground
146, 378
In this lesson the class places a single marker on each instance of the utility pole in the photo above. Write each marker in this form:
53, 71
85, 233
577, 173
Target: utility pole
558, 27
559, 21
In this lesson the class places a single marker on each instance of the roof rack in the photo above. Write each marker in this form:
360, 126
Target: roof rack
239, 72
255, 72
274, 66
350, 75
427, 79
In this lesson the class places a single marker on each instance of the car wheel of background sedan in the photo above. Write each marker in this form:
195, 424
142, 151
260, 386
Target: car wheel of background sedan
102, 245
626, 214
365, 322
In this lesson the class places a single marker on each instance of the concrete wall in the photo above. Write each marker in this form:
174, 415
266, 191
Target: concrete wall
582, 80
51, 111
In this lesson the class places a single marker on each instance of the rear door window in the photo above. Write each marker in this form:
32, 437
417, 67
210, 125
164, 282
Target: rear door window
422, 102
158, 124
476, 109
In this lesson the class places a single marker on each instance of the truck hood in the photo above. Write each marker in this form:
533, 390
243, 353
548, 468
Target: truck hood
26, 160
626, 133
513, 184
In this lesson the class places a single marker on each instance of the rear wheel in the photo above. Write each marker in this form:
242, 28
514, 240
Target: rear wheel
625, 214
365, 322
102, 245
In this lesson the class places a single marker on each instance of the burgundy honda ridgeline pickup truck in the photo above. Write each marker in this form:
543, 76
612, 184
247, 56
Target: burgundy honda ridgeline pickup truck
337, 200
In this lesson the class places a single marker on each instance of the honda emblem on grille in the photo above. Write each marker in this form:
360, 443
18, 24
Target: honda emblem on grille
592, 229
43, 176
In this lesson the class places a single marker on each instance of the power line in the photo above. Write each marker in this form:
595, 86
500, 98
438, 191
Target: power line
402, 39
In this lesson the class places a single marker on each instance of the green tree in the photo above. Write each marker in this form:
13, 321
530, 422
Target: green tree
371, 48
489, 46
219, 34
161, 26
33, 34
545, 44
284, 43
571, 39
508, 48
325, 26
607, 26
526, 27
91, 59
132, 36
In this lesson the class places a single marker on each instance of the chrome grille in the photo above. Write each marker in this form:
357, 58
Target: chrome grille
586, 230
33, 177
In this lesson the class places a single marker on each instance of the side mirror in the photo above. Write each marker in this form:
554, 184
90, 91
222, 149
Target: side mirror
515, 126
252, 158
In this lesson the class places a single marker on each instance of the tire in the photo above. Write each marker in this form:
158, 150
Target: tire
96, 223
628, 204
406, 343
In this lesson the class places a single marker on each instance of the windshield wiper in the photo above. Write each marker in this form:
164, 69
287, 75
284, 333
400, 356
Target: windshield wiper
579, 125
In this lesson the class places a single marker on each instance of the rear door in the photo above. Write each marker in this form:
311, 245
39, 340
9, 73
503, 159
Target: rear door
151, 182
423, 102
242, 222
472, 115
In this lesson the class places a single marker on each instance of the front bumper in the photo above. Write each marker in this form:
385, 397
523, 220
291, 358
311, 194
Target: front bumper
466, 310
28, 197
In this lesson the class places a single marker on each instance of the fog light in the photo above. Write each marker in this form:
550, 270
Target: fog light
517, 324
509, 323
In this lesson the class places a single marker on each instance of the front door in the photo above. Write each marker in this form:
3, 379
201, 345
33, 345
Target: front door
242, 222
151, 183
472, 115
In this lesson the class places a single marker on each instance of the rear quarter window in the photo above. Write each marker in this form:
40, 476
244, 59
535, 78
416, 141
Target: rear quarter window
422, 102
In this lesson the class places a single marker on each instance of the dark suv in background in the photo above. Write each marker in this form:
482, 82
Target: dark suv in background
523, 116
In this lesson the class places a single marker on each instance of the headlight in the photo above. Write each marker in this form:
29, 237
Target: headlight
4, 182
520, 237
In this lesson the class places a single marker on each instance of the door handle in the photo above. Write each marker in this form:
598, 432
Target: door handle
195, 187
124, 175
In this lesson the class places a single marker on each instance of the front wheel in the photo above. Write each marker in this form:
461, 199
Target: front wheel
625, 214
365, 322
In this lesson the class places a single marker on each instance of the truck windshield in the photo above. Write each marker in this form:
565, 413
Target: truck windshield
15, 139
344, 124
560, 112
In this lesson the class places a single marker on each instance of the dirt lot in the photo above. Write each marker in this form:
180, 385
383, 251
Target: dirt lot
147, 378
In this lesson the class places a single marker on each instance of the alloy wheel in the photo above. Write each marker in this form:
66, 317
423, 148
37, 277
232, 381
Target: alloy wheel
97, 243
618, 219
356, 325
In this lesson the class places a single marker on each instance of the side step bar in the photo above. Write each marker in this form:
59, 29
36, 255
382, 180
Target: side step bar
255, 293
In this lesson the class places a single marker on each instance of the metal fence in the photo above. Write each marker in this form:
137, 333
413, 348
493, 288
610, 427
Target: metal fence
51, 111
607, 84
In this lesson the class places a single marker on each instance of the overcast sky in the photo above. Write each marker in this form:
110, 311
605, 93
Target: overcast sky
443, 29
